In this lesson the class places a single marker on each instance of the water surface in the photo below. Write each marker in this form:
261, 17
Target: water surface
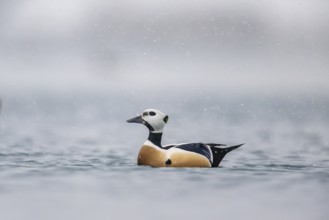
74, 157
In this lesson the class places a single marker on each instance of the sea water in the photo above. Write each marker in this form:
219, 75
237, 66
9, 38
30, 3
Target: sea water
73, 156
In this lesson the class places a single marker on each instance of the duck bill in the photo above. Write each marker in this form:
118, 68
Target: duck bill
137, 119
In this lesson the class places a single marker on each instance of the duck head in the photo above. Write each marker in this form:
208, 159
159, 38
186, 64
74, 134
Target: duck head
153, 119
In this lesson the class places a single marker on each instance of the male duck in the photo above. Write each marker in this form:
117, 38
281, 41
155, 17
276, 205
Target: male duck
154, 154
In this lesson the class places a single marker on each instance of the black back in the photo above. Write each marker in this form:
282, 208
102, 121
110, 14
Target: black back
196, 148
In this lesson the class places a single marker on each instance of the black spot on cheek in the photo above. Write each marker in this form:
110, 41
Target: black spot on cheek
168, 162
165, 119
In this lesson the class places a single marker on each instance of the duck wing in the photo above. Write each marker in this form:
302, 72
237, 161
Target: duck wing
198, 148
215, 145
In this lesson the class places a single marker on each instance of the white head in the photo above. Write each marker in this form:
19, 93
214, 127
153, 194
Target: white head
153, 119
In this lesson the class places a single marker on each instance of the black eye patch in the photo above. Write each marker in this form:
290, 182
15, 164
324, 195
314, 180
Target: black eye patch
145, 113
152, 113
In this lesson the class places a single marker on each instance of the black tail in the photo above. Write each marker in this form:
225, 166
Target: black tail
219, 153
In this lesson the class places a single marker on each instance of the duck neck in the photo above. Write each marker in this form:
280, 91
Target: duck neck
155, 138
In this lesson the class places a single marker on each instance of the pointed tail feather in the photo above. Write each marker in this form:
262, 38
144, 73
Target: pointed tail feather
229, 149
219, 153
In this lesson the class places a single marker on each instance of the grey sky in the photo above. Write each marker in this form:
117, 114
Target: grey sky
247, 45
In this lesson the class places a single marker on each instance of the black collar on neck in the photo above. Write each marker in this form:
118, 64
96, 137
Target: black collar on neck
148, 125
155, 138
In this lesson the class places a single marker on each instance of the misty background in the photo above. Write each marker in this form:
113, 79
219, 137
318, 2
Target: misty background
252, 46
73, 71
